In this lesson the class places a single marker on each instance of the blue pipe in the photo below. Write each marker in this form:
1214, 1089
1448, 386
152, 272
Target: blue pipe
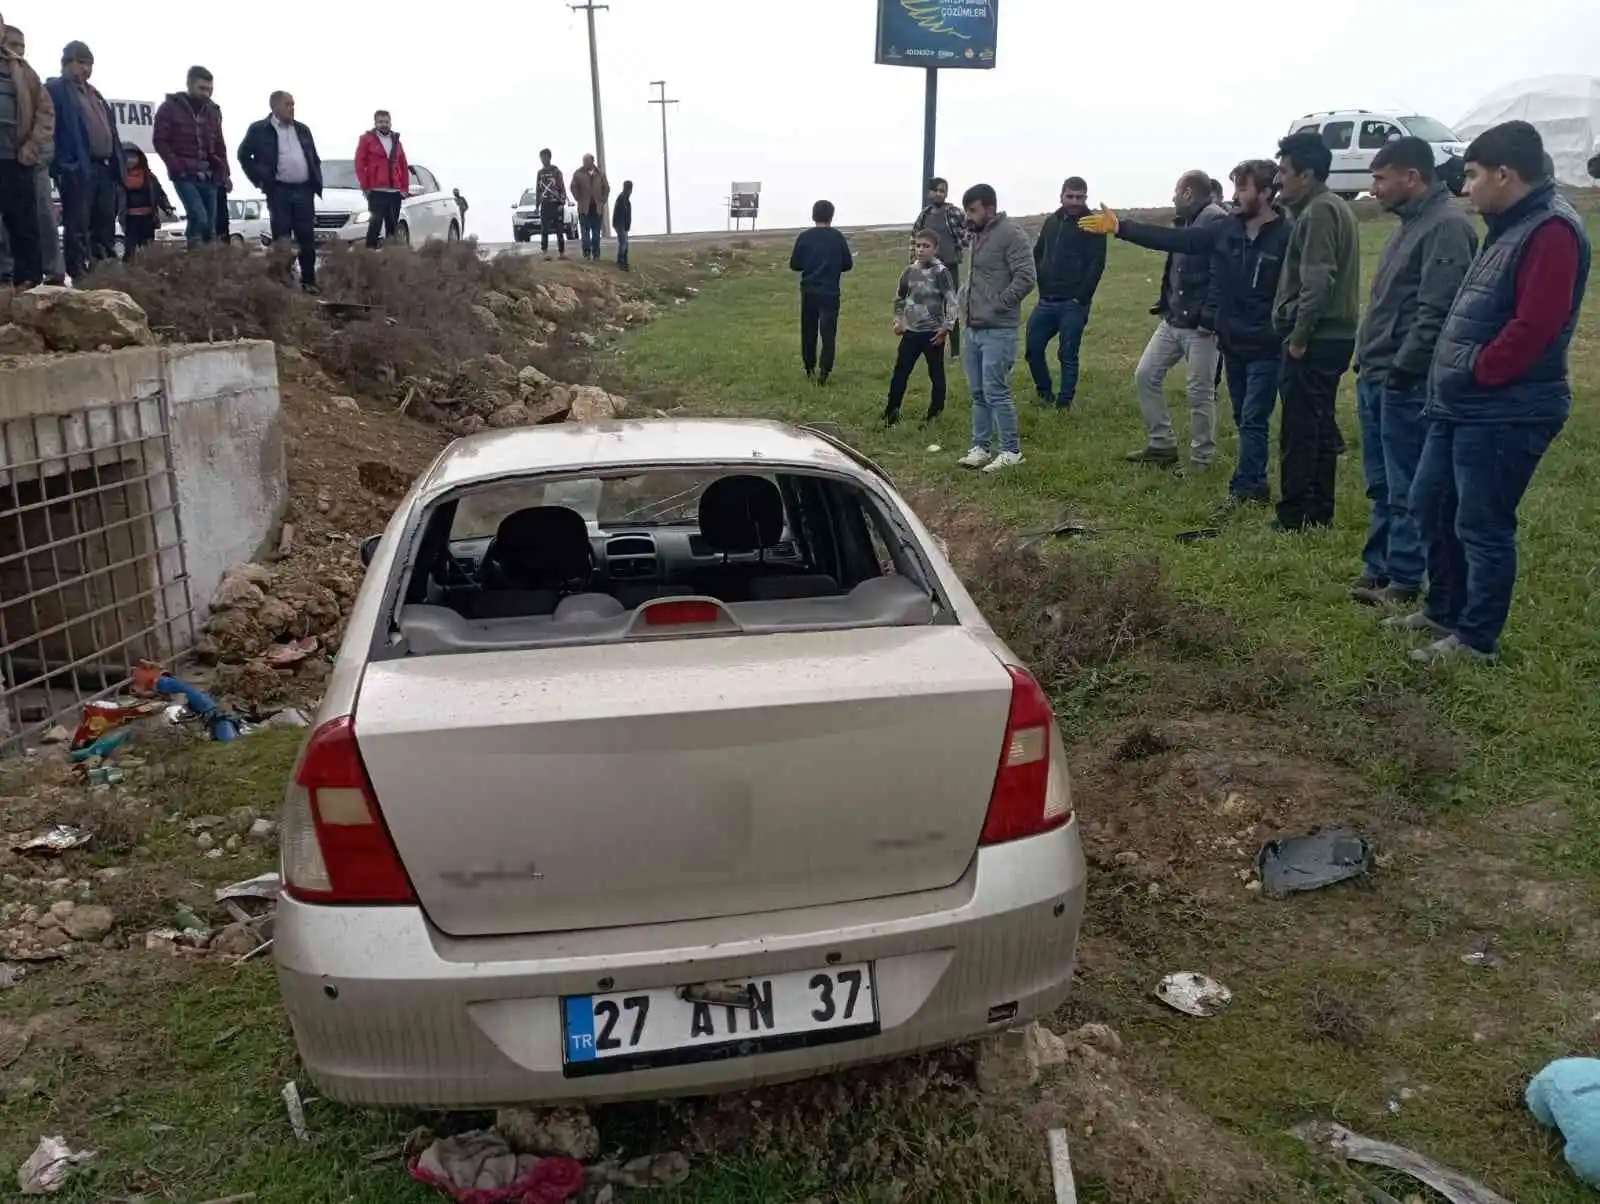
222, 728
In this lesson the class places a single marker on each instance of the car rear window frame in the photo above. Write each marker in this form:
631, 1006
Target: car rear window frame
387, 643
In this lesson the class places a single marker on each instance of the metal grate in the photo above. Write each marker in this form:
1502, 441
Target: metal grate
92, 570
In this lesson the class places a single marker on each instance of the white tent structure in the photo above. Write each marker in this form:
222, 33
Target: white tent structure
1564, 108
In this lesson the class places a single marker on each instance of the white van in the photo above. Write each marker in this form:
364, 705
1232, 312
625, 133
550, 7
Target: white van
1355, 136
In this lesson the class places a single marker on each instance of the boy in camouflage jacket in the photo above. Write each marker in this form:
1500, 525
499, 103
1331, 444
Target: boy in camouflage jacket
924, 315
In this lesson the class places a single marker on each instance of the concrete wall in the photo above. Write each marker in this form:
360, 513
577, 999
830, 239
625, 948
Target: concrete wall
219, 403
227, 454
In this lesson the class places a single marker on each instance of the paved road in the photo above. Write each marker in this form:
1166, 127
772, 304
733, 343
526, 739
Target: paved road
697, 238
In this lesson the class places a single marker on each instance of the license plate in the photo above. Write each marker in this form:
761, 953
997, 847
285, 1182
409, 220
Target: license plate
630, 1030
327, 235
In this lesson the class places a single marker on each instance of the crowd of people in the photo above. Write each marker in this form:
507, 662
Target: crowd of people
62, 131
1460, 355
589, 193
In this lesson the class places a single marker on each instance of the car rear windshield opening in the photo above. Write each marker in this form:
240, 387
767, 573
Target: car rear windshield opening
573, 559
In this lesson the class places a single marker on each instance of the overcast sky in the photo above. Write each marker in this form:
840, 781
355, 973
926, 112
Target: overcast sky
786, 92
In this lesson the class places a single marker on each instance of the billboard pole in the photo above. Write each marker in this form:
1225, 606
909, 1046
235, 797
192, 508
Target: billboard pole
594, 84
930, 133
666, 173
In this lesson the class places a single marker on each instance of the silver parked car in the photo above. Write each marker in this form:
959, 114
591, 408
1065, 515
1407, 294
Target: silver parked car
662, 758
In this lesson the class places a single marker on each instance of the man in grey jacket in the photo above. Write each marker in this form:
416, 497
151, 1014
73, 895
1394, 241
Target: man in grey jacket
1187, 307
1000, 273
1419, 273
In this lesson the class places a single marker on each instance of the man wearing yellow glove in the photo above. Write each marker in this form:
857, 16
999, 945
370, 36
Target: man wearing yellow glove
1246, 252
1187, 308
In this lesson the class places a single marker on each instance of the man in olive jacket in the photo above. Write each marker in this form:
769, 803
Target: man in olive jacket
1000, 273
1316, 310
1421, 270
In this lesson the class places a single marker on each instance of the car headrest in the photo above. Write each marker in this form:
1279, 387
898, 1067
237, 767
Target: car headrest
741, 514
542, 547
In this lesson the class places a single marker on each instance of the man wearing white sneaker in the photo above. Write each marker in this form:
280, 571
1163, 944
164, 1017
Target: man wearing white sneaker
1000, 273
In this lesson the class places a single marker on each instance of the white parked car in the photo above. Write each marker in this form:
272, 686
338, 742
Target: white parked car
1355, 136
429, 212
248, 224
661, 758
525, 218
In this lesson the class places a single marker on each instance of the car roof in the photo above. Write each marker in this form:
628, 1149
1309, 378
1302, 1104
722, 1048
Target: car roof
563, 447
1337, 114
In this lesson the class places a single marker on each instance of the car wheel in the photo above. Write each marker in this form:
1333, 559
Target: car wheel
521, 235
402, 234
1348, 196
453, 234
237, 240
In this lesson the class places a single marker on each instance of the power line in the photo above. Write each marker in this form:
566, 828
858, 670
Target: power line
666, 171
594, 83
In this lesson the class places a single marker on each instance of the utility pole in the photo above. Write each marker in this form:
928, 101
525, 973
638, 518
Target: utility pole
666, 171
594, 83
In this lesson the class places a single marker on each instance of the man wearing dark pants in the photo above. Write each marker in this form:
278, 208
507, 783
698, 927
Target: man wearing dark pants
622, 223
1422, 267
26, 127
87, 165
551, 188
821, 255
1316, 309
280, 157
1498, 392
924, 313
949, 225
384, 176
1069, 262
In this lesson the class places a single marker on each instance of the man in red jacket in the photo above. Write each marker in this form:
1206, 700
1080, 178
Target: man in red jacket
384, 175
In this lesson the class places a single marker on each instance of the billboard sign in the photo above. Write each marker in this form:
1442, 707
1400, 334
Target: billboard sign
744, 199
136, 122
937, 33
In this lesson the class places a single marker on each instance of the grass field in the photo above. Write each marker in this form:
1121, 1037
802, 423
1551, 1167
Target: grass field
1208, 692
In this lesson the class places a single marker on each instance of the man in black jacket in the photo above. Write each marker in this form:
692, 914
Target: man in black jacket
279, 157
1070, 263
622, 223
1246, 254
1187, 333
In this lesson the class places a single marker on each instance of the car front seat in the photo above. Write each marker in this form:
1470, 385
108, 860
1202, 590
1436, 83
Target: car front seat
538, 556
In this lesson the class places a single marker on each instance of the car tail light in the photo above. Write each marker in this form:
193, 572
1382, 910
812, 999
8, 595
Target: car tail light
1023, 802
681, 614
336, 848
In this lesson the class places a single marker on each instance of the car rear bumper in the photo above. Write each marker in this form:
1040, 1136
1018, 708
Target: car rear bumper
386, 1010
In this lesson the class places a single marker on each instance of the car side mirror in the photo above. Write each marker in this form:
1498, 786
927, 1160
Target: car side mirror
369, 548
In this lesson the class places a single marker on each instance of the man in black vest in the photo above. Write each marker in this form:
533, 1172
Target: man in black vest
1498, 393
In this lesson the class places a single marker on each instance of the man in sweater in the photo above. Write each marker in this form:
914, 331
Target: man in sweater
1246, 253
1422, 266
1069, 263
87, 166
949, 225
821, 255
590, 192
1499, 392
1187, 333
1315, 311
551, 188
384, 176
1000, 274
622, 223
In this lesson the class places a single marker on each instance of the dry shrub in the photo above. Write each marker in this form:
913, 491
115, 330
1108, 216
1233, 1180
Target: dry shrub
215, 293
1335, 1016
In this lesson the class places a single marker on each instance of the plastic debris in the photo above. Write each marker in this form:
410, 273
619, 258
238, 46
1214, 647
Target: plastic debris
280, 656
263, 886
1066, 527
651, 1170
49, 1166
1342, 1143
1313, 861
105, 746
481, 1168
1193, 994
1565, 1096
1198, 535
11, 975
296, 1110
1061, 1168
103, 716
54, 840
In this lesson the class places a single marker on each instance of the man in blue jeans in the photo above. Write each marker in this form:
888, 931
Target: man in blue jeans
188, 137
1000, 273
1069, 263
1498, 392
1418, 275
1246, 254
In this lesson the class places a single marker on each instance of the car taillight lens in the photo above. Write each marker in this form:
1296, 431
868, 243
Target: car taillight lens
336, 848
1025, 801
